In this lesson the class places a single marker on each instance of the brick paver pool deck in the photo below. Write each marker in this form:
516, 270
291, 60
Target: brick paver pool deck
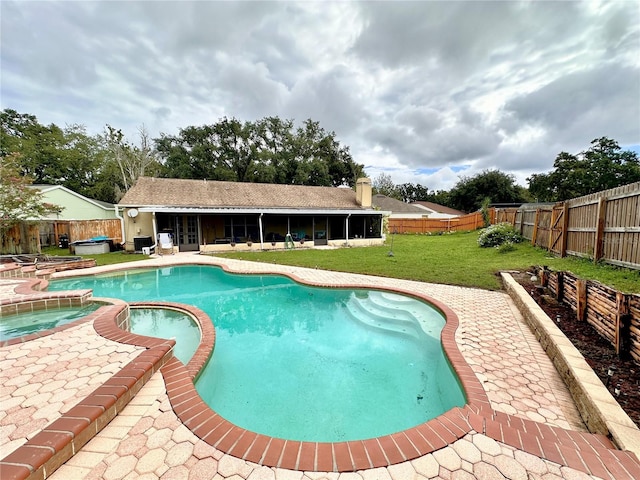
58, 390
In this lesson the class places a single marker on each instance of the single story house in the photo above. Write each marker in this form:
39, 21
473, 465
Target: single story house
435, 210
74, 206
204, 215
398, 208
92, 217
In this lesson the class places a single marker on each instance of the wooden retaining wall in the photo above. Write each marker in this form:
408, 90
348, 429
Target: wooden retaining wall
614, 315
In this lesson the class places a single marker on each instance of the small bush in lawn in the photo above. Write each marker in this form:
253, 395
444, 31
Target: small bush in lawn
498, 234
506, 247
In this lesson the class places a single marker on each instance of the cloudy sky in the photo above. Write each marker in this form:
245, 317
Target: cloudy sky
422, 91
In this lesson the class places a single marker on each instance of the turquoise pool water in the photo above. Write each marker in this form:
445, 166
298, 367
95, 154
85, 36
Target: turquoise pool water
305, 363
18, 325
169, 324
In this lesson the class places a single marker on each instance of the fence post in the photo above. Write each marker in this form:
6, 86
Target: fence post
623, 325
535, 228
581, 298
565, 228
598, 244
544, 277
551, 222
560, 292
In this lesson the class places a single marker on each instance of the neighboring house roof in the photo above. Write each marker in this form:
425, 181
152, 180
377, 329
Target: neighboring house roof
47, 188
434, 207
515, 204
395, 206
202, 194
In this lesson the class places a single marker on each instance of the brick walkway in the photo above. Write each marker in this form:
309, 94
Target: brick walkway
529, 429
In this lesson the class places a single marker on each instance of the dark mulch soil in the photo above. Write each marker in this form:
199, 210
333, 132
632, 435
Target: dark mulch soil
599, 354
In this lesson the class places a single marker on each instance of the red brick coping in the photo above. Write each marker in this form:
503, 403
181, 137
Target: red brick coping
40, 456
590, 453
31, 301
207, 333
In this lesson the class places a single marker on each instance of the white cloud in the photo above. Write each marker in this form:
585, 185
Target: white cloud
410, 87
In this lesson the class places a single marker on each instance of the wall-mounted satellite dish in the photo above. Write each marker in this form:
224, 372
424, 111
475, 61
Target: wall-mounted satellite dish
133, 213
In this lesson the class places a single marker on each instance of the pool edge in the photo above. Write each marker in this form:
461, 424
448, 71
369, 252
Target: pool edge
564, 447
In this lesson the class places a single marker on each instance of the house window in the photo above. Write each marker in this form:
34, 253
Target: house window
364, 227
240, 227
192, 229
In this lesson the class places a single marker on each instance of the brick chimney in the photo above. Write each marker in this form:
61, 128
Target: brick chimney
363, 192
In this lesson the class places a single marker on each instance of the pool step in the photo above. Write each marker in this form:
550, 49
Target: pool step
386, 314
429, 319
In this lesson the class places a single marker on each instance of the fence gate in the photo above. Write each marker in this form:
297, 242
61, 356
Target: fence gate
557, 230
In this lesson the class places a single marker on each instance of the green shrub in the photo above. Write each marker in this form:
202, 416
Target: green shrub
498, 234
506, 247
486, 216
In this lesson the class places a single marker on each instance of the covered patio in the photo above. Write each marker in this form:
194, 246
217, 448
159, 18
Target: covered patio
211, 216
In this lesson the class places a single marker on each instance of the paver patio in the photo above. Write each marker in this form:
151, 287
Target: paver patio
43, 379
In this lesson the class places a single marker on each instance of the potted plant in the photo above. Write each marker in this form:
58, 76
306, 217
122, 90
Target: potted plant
273, 240
249, 241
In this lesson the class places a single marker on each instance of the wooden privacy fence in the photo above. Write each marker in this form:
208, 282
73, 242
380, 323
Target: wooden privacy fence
25, 238
603, 226
614, 315
20, 238
471, 221
85, 229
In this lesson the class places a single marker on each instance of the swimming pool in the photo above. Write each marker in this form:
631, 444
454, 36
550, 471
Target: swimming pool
305, 363
26, 323
170, 324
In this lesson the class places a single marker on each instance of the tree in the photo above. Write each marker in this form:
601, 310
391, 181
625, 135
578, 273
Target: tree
40, 147
51, 155
383, 185
189, 155
603, 166
235, 152
268, 150
274, 145
133, 161
469, 193
441, 197
19, 201
81, 161
410, 192
322, 159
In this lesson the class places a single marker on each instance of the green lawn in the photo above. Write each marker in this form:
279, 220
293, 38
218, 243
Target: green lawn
452, 259
101, 259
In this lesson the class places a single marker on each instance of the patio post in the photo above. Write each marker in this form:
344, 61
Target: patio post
347, 228
260, 231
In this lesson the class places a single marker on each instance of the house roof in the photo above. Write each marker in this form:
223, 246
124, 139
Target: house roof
438, 208
396, 206
171, 192
47, 188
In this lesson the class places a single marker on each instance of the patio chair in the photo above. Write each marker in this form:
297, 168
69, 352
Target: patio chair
165, 241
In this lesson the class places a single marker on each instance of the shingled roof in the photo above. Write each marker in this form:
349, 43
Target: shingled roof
439, 208
396, 206
171, 192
